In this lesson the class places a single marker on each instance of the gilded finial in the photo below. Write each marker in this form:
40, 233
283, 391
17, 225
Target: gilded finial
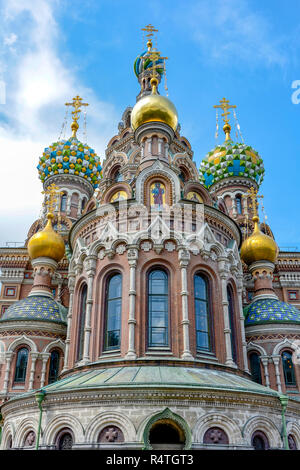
150, 30
252, 193
224, 104
76, 103
54, 194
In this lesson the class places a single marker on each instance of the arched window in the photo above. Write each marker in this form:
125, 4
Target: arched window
260, 441
292, 442
231, 322
158, 308
81, 322
21, 365
238, 201
215, 435
288, 368
63, 203
64, 439
117, 177
54, 367
83, 202
202, 313
113, 312
255, 367
29, 440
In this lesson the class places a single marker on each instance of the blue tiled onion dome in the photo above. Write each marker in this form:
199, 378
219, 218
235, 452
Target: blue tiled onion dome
140, 65
72, 157
231, 159
264, 311
36, 307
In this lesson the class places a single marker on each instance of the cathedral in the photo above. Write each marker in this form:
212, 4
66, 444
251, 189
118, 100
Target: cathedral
150, 306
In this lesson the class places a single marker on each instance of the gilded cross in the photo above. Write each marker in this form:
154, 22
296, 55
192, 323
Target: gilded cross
150, 30
76, 103
224, 104
252, 193
53, 194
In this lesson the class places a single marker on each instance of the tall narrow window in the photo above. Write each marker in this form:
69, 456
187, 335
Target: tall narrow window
81, 323
113, 312
288, 368
255, 368
231, 322
202, 313
21, 365
54, 367
158, 308
238, 200
63, 203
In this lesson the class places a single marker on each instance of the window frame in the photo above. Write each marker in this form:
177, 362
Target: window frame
232, 322
211, 342
108, 278
21, 380
168, 334
81, 316
288, 384
58, 365
255, 353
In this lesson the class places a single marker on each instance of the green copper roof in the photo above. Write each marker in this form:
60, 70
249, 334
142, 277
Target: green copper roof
157, 377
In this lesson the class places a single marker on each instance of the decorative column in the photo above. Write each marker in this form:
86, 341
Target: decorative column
68, 206
223, 270
184, 259
242, 319
34, 356
71, 285
233, 205
45, 357
90, 267
132, 255
245, 206
276, 359
80, 199
265, 362
166, 150
8, 357
59, 287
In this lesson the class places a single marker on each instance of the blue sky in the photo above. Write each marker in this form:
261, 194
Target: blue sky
247, 51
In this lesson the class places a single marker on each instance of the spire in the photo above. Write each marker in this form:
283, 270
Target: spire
150, 64
224, 104
76, 103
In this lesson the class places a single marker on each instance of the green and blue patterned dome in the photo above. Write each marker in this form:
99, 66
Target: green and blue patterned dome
36, 307
142, 63
264, 311
70, 157
231, 159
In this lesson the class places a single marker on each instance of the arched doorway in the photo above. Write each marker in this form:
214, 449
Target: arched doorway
167, 430
166, 434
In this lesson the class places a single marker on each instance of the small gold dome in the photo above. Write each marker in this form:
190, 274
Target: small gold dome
152, 108
258, 246
46, 243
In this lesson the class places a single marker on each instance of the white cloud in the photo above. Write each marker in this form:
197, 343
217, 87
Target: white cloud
231, 30
38, 84
10, 39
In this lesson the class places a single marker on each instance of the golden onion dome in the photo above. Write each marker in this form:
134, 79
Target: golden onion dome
46, 243
153, 108
258, 246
